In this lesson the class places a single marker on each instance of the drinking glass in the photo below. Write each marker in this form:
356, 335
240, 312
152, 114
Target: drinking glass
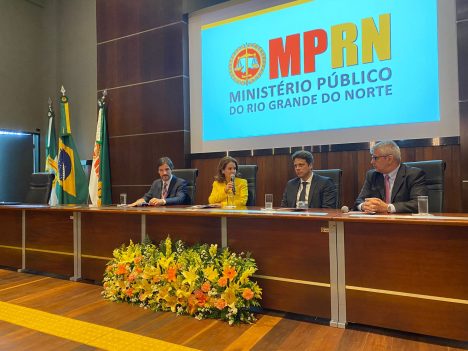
123, 199
230, 201
268, 201
423, 205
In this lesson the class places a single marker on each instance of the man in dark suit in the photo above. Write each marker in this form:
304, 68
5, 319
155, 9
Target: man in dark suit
391, 186
168, 190
315, 190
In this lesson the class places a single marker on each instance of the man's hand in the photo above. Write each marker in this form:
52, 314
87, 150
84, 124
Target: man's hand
137, 203
157, 202
374, 205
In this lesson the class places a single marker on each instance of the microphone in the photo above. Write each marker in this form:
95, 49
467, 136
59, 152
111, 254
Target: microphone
345, 209
233, 184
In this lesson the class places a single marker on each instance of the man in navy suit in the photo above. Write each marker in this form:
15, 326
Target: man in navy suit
168, 190
317, 191
391, 186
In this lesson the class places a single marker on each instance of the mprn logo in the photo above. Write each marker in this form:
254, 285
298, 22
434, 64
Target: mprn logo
247, 63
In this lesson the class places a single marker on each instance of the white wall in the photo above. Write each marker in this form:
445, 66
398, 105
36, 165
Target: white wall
44, 44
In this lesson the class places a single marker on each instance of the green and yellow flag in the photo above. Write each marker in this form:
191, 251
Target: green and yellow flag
51, 153
99, 180
72, 187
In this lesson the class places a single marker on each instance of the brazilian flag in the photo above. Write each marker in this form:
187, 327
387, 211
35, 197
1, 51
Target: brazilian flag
72, 187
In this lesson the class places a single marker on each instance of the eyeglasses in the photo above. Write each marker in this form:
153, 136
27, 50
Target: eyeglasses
375, 158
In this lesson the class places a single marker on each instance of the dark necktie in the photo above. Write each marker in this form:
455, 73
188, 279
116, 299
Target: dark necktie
302, 196
164, 194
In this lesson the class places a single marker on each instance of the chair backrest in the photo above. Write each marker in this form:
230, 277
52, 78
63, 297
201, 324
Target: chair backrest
249, 172
335, 175
40, 187
190, 175
435, 178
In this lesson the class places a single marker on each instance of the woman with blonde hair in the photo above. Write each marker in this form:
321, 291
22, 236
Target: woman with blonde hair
227, 185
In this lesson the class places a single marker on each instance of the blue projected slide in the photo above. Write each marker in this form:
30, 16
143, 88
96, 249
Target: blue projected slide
320, 65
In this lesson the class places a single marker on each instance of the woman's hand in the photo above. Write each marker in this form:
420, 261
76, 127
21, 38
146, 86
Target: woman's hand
228, 187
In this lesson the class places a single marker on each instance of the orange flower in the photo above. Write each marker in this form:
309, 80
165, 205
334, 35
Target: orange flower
201, 298
198, 293
156, 279
122, 269
192, 302
139, 269
229, 272
220, 304
206, 286
129, 292
171, 274
247, 294
222, 281
132, 277
137, 259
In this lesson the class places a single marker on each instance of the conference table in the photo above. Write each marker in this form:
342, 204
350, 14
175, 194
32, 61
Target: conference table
402, 272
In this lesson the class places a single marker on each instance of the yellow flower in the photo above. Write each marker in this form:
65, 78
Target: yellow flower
171, 302
163, 292
165, 262
168, 244
150, 271
190, 276
145, 289
210, 274
182, 293
213, 250
247, 273
229, 296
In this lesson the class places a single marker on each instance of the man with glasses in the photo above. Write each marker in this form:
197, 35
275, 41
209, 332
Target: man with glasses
391, 186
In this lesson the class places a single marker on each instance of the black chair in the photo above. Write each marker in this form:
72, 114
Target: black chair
40, 187
435, 178
249, 172
190, 175
335, 175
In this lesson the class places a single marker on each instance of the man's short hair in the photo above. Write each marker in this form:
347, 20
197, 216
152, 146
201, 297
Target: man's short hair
304, 155
165, 161
388, 147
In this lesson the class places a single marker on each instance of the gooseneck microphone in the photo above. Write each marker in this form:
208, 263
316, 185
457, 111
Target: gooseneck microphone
345, 209
233, 184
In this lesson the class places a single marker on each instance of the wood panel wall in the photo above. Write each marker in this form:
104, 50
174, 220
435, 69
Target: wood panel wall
275, 171
142, 62
142, 51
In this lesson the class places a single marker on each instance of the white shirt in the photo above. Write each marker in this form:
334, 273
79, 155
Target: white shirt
392, 177
309, 183
162, 188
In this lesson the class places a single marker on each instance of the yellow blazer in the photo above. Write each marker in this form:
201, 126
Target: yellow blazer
218, 194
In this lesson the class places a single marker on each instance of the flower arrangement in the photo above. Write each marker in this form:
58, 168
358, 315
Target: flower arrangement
201, 281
